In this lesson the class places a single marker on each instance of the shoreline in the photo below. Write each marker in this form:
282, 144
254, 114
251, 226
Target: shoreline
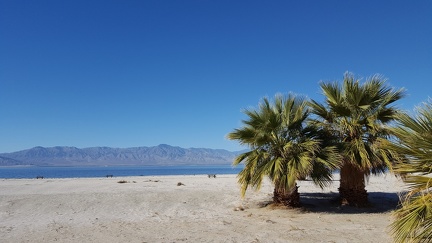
102, 171
116, 177
202, 209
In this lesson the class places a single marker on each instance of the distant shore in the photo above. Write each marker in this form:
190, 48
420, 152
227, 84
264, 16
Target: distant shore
186, 209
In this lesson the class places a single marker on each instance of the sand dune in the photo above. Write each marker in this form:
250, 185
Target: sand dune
156, 209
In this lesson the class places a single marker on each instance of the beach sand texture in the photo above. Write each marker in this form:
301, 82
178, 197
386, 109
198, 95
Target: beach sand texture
157, 209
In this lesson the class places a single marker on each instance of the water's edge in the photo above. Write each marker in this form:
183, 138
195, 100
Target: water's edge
29, 172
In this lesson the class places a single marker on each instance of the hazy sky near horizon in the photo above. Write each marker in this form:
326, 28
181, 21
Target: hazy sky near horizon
141, 73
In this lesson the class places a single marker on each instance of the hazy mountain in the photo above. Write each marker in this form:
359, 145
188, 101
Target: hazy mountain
8, 161
158, 155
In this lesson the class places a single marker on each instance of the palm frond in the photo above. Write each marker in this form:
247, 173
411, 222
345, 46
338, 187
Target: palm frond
414, 143
414, 220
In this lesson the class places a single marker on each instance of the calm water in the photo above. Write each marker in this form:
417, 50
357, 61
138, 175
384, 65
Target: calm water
73, 172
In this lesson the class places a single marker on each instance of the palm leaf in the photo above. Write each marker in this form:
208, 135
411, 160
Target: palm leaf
414, 143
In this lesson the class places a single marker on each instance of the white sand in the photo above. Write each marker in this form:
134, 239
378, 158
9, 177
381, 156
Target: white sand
155, 209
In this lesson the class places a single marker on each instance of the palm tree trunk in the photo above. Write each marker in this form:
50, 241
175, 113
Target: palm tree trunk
289, 198
352, 186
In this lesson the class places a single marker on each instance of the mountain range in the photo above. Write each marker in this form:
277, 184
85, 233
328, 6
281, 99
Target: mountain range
162, 154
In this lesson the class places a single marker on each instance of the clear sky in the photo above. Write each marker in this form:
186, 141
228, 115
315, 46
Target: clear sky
141, 73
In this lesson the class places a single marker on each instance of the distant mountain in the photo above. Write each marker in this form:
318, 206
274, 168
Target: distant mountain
162, 154
8, 161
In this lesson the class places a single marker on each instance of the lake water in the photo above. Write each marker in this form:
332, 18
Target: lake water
82, 172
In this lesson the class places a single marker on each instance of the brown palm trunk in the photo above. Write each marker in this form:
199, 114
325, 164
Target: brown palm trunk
352, 186
289, 198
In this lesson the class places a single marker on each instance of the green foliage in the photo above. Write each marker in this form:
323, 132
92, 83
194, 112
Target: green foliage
354, 116
414, 143
281, 146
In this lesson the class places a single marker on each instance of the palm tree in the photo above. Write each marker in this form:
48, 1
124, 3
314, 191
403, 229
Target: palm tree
414, 141
282, 148
354, 116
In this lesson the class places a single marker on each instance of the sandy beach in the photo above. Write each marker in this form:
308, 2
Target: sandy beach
201, 209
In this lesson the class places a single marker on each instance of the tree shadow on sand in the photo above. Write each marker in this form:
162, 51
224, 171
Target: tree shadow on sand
380, 202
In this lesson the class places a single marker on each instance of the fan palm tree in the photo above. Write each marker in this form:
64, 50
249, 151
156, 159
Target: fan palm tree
414, 141
282, 148
354, 116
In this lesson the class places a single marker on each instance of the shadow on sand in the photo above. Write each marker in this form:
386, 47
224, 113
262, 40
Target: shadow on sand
380, 202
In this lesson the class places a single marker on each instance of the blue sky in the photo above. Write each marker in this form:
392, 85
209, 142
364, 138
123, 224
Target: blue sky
141, 73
